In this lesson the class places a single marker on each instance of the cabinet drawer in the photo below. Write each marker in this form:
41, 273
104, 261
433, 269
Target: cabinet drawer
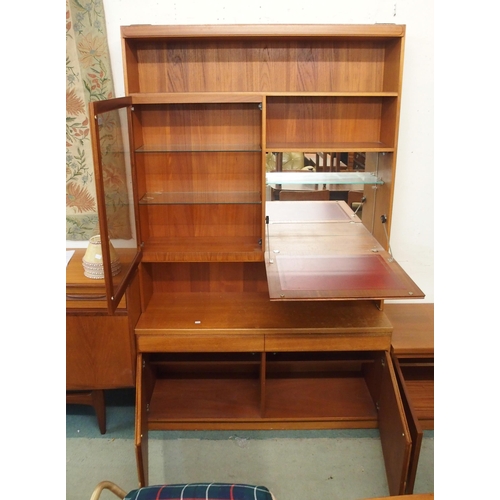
200, 343
328, 342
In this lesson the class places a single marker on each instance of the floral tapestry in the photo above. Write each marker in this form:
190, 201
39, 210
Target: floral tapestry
88, 78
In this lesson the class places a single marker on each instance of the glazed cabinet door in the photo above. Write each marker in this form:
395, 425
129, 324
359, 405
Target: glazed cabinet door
119, 251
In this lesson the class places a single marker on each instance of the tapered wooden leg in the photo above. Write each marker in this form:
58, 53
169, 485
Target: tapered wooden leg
91, 398
99, 405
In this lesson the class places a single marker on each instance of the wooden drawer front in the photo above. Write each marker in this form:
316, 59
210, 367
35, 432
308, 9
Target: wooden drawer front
328, 342
200, 343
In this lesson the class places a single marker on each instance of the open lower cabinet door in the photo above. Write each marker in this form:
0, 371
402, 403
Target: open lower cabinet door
394, 431
141, 420
414, 426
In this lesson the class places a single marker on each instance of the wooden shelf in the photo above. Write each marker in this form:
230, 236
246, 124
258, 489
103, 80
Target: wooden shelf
185, 404
194, 400
196, 97
332, 399
240, 97
205, 148
202, 249
204, 198
340, 147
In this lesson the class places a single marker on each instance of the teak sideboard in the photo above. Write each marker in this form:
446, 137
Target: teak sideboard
259, 313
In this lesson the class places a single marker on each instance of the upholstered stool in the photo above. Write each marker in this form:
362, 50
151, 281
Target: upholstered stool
191, 491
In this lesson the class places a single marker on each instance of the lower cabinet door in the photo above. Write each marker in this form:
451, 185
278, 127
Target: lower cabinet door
221, 390
393, 426
414, 425
145, 382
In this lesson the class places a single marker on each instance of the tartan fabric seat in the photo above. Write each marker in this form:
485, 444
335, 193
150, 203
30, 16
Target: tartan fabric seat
189, 491
195, 491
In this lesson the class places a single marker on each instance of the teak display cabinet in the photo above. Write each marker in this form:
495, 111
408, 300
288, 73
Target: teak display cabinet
222, 342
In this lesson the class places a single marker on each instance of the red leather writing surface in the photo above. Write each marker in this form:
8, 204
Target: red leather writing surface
342, 272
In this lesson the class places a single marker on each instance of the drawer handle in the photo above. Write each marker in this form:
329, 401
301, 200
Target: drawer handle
85, 297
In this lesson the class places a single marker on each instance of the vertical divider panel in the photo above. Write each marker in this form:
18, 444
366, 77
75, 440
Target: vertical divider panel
263, 190
263, 357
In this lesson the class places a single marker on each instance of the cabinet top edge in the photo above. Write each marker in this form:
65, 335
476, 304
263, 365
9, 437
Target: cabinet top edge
263, 30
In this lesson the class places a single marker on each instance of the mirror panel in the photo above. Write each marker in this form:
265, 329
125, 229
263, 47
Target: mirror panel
304, 176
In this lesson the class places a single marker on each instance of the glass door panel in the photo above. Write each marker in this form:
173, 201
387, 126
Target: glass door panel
118, 239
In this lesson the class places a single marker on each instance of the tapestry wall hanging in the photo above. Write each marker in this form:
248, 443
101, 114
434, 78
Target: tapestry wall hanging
89, 78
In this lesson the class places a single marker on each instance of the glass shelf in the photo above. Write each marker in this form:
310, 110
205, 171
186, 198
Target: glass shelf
162, 198
298, 177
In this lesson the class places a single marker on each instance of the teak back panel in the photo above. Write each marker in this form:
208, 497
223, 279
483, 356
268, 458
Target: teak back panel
201, 173
304, 64
197, 220
349, 124
200, 127
215, 277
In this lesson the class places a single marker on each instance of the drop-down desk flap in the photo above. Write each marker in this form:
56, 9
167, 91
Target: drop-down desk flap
320, 250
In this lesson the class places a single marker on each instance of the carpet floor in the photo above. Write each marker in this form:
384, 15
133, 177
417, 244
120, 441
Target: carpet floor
295, 465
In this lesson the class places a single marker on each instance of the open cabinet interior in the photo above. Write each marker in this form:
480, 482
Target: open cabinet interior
257, 312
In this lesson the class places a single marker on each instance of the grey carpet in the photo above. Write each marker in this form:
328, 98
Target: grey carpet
295, 465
